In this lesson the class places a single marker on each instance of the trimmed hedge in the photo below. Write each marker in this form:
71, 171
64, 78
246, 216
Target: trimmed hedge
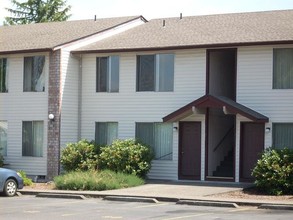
274, 172
80, 156
126, 156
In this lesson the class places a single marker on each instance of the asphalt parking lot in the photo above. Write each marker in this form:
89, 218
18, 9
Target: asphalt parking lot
30, 207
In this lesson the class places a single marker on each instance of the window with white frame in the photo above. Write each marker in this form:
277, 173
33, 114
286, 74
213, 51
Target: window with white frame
283, 135
107, 74
157, 135
32, 138
3, 75
3, 137
34, 76
283, 68
106, 132
155, 73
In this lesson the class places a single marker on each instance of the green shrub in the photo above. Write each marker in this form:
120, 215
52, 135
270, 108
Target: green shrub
79, 156
26, 181
274, 172
96, 180
126, 156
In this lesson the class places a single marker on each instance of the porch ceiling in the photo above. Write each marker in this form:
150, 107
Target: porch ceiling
211, 101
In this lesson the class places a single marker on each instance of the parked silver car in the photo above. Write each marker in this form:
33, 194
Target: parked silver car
10, 181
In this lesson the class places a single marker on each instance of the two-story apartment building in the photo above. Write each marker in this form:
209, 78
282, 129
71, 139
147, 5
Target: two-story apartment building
208, 93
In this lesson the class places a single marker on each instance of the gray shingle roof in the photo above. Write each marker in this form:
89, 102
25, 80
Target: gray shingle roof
203, 31
44, 36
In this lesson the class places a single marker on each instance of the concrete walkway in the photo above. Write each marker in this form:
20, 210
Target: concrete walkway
176, 191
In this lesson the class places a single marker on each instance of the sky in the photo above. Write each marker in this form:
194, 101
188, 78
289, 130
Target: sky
87, 9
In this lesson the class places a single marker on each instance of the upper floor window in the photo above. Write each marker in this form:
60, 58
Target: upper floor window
34, 76
106, 132
157, 135
155, 73
32, 138
3, 138
283, 135
283, 69
3, 75
107, 74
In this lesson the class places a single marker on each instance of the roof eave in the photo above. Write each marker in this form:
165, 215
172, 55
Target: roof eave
98, 32
180, 47
26, 51
201, 103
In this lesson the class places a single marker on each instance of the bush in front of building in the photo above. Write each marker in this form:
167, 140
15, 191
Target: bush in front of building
274, 172
126, 156
80, 156
96, 180
26, 181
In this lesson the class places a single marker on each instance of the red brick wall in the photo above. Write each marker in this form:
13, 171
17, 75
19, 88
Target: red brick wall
53, 152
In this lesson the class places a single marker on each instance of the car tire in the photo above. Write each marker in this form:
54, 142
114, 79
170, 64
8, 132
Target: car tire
10, 187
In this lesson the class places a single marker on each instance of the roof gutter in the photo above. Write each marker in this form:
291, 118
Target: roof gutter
207, 46
26, 51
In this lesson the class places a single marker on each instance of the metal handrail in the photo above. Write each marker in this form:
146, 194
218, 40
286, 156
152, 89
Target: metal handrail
222, 140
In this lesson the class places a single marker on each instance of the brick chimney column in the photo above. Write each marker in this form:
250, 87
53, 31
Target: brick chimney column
53, 147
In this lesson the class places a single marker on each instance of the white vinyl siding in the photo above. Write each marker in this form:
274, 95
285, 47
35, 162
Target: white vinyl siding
18, 106
255, 89
70, 90
128, 106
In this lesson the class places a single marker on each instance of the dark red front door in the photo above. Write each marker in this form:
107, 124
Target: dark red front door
252, 144
189, 150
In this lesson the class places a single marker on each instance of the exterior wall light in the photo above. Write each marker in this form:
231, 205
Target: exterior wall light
51, 117
268, 129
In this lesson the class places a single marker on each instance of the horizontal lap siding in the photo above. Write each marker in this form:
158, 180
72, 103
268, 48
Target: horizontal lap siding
254, 83
69, 105
129, 106
18, 106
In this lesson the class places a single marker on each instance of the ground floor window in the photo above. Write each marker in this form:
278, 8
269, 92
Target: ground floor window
157, 135
32, 138
3, 137
283, 135
106, 132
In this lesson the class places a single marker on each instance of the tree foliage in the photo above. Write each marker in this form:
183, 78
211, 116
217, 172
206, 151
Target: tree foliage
37, 11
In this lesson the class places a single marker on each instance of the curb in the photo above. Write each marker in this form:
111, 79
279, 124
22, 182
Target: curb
216, 202
276, 207
130, 199
208, 203
58, 196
